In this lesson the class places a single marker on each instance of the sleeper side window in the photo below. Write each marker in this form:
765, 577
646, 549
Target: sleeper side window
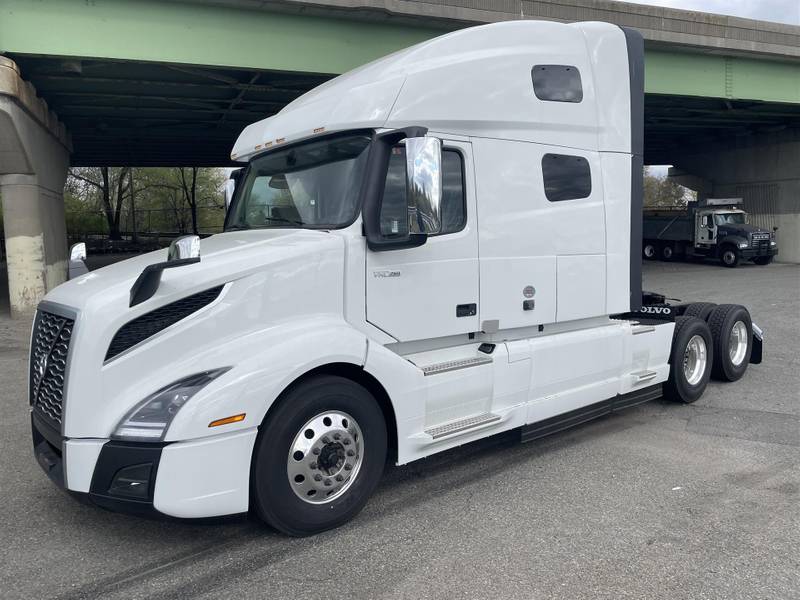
394, 208
566, 177
557, 83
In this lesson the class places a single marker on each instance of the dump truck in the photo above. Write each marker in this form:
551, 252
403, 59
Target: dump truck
716, 228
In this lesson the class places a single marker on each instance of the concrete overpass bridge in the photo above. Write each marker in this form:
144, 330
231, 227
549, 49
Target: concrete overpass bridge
159, 83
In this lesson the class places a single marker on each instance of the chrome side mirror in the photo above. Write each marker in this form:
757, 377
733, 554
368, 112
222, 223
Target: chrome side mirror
186, 247
77, 258
424, 179
230, 187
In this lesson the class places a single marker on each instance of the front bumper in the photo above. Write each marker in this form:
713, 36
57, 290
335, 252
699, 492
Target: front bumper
755, 252
198, 479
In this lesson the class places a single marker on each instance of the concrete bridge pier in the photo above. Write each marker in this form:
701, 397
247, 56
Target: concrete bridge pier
34, 156
763, 170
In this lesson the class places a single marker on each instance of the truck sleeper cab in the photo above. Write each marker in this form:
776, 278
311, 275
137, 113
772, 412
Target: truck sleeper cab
394, 280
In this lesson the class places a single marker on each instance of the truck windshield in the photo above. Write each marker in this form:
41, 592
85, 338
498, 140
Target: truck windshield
729, 219
314, 185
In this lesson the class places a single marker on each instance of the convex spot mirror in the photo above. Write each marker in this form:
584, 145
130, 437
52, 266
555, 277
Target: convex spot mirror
77, 258
424, 184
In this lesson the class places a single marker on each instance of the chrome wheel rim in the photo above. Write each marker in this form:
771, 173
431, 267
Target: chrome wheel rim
737, 343
694, 360
667, 252
325, 457
649, 251
728, 256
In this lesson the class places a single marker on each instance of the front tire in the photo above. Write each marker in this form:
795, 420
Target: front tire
319, 456
690, 360
732, 330
730, 256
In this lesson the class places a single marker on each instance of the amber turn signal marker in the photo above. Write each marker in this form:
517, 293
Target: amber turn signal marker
227, 420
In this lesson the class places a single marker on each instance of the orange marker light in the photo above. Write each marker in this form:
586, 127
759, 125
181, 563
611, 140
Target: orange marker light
227, 420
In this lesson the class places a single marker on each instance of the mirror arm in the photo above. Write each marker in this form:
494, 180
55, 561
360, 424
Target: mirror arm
150, 278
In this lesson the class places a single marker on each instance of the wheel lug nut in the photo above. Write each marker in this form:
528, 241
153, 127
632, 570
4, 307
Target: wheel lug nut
351, 453
346, 442
348, 467
327, 482
315, 451
317, 477
313, 465
326, 440
336, 436
339, 478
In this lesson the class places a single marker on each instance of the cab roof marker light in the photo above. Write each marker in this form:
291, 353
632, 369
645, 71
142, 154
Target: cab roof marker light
319, 130
228, 420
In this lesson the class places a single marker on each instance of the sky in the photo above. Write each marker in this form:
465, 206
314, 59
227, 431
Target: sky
779, 11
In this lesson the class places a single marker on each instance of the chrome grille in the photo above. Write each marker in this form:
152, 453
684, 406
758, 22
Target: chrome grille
48, 364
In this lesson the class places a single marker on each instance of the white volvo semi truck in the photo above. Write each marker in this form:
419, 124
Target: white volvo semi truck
434, 248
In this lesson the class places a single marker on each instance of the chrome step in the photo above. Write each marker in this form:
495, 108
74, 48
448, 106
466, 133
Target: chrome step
644, 375
454, 365
462, 425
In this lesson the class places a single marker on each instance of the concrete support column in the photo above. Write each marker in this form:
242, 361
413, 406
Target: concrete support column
36, 240
34, 156
763, 170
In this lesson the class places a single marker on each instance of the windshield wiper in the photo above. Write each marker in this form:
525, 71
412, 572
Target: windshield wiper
237, 227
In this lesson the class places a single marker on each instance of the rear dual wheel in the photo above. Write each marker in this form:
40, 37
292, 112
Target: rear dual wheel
732, 331
319, 456
690, 360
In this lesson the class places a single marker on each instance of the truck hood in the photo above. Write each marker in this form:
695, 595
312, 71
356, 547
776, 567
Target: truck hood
223, 257
741, 230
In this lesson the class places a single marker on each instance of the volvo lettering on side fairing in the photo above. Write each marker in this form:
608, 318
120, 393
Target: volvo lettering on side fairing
394, 280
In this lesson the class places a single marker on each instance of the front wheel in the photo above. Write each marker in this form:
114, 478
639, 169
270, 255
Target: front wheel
319, 456
690, 360
730, 256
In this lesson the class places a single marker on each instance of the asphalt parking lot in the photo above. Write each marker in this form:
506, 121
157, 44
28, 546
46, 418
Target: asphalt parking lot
661, 501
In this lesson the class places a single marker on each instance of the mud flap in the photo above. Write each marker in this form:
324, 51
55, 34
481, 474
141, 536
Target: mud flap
758, 345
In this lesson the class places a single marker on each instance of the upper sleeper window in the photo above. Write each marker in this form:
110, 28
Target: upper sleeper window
558, 83
566, 177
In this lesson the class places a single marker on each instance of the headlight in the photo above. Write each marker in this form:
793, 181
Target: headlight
149, 420
743, 244
773, 243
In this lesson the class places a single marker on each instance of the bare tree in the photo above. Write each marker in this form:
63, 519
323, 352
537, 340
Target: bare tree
113, 184
189, 187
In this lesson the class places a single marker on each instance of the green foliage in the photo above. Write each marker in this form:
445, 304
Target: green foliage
664, 192
138, 201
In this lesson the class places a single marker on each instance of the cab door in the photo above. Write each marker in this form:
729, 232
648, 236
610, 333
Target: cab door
432, 290
705, 229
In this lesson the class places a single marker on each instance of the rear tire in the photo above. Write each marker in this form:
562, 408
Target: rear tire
732, 331
649, 251
730, 256
763, 260
319, 456
690, 360
701, 310
667, 252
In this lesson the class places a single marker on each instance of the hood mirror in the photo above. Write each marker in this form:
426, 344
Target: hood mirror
77, 260
424, 184
186, 247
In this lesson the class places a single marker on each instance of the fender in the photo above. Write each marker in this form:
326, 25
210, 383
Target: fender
265, 363
733, 240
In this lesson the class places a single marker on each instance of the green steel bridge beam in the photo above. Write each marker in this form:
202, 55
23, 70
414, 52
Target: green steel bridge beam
218, 36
